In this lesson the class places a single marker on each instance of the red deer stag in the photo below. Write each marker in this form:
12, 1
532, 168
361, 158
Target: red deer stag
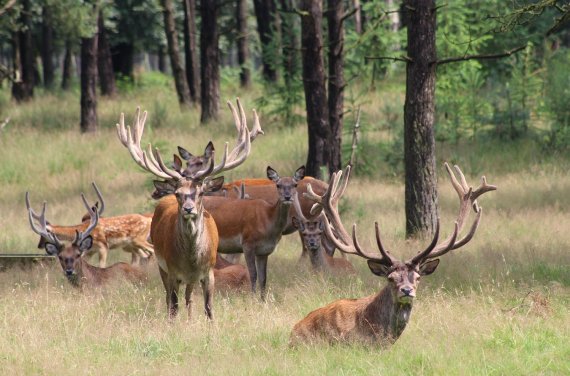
311, 231
76, 269
183, 233
382, 318
129, 232
254, 227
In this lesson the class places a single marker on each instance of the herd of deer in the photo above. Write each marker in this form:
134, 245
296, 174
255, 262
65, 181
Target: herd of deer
199, 217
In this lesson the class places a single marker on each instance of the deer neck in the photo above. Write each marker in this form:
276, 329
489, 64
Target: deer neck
281, 214
317, 259
190, 232
386, 317
81, 274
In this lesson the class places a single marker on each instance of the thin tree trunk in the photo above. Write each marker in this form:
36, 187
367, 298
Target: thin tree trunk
161, 60
290, 42
23, 89
47, 48
67, 72
104, 61
242, 45
89, 84
209, 61
122, 55
191, 50
266, 14
336, 81
178, 72
314, 85
419, 139
357, 16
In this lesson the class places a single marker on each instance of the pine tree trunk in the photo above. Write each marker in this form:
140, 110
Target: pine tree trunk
191, 50
314, 85
178, 72
161, 60
266, 14
242, 45
122, 55
67, 69
209, 61
104, 61
23, 89
89, 84
419, 138
289, 41
336, 81
357, 16
47, 48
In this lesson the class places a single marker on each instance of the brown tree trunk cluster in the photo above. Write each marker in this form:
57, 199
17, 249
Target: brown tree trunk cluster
191, 49
23, 84
105, 62
242, 45
88, 121
209, 61
266, 14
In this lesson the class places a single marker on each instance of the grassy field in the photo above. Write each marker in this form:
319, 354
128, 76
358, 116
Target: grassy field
500, 306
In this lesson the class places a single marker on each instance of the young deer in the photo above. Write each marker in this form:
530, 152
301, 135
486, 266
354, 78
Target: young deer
382, 318
129, 232
311, 231
254, 227
230, 276
184, 234
76, 269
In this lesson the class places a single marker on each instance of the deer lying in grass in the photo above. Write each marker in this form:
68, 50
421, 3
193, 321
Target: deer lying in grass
311, 231
254, 226
184, 234
75, 268
382, 318
129, 232
230, 276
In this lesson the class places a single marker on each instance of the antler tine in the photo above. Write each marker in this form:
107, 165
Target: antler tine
256, 130
94, 218
425, 253
441, 249
471, 232
220, 167
483, 188
363, 254
339, 192
42, 230
29, 207
204, 172
156, 159
462, 177
385, 253
100, 197
344, 244
298, 208
454, 181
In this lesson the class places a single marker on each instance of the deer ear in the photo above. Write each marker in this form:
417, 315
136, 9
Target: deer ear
162, 188
429, 267
321, 225
272, 174
177, 163
214, 185
86, 244
299, 174
209, 151
51, 249
378, 268
185, 154
297, 224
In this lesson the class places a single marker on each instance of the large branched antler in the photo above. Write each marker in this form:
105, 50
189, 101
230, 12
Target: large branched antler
42, 230
94, 219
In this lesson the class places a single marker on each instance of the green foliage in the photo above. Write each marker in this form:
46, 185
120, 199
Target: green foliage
557, 98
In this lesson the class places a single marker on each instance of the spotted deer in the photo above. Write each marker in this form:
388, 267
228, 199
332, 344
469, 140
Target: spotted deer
129, 232
311, 231
381, 318
254, 226
78, 271
184, 234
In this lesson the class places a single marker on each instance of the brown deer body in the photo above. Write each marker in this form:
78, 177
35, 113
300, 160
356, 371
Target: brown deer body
230, 277
254, 226
183, 233
76, 269
381, 318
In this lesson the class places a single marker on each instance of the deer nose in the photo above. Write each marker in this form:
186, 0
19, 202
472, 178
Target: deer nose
69, 272
406, 290
188, 210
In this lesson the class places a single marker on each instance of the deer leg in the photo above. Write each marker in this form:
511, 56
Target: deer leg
188, 298
208, 292
171, 287
261, 263
135, 258
250, 260
103, 251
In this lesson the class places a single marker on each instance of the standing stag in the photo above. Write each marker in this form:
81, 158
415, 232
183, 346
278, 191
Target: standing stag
129, 232
76, 269
184, 234
382, 318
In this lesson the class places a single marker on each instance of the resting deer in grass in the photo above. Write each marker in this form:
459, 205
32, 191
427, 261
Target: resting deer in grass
129, 232
75, 268
230, 276
254, 226
311, 231
183, 233
381, 318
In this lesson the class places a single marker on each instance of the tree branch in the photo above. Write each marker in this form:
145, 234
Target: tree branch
405, 59
7, 6
478, 57
348, 15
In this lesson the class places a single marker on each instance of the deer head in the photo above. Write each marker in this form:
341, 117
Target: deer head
69, 255
311, 229
403, 276
286, 186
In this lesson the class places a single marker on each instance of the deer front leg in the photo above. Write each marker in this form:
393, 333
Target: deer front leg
261, 263
250, 260
188, 298
103, 251
208, 292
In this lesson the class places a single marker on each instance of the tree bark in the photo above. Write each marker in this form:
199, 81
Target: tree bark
266, 14
67, 69
314, 85
104, 61
122, 55
191, 50
89, 84
336, 81
289, 41
23, 87
242, 45
161, 60
47, 48
419, 138
209, 61
178, 72
357, 16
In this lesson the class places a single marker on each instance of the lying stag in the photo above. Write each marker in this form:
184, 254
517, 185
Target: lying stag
382, 318
76, 269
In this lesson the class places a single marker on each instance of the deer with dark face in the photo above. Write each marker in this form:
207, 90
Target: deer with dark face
75, 268
381, 318
311, 230
184, 234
